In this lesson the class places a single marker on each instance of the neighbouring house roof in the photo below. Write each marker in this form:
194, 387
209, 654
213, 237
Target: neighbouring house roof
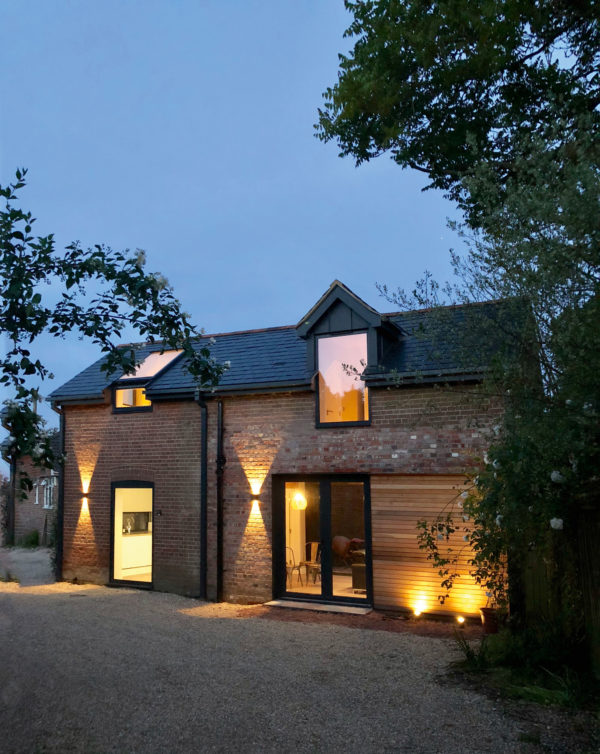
420, 346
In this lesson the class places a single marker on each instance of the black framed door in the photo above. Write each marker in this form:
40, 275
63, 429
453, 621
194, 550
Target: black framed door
322, 538
131, 551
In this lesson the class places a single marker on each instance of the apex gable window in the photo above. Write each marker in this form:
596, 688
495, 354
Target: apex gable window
343, 396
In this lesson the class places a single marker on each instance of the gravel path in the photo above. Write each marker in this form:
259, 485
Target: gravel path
91, 669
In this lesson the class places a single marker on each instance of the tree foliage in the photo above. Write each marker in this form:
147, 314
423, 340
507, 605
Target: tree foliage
442, 84
102, 292
498, 102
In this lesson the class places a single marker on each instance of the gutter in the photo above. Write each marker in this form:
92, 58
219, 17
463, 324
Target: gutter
414, 378
199, 398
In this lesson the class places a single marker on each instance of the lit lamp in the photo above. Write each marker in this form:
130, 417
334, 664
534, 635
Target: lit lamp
299, 502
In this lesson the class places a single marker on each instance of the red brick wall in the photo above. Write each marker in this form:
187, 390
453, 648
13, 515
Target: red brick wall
413, 430
28, 515
161, 446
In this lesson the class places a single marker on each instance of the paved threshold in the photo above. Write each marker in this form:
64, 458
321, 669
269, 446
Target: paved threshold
348, 609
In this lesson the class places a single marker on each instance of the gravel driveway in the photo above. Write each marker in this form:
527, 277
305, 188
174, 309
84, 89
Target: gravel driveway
92, 669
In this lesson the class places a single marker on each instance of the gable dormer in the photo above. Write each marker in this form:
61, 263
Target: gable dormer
345, 339
339, 311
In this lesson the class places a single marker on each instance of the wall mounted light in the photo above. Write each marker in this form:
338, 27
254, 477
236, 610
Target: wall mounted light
460, 620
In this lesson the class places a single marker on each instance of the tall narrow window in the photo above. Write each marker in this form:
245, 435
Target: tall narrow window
343, 396
132, 534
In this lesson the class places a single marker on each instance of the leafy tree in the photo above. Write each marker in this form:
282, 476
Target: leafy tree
103, 292
498, 103
442, 84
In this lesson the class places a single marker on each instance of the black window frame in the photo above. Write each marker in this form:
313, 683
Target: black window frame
278, 522
128, 484
318, 423
128, 385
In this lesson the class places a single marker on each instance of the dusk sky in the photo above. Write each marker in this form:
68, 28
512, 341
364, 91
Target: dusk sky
185, 128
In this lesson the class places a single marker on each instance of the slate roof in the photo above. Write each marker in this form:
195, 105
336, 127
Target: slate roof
276, 358
89, 384
261, 357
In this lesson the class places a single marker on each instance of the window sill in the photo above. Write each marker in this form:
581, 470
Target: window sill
133, 410
337, 425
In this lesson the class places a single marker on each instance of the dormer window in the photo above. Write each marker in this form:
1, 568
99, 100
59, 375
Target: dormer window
132, 397
130, 391
343, 396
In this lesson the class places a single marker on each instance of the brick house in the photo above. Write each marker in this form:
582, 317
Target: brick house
36, 512
301, 477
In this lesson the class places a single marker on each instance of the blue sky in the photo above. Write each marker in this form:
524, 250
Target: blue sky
185, 128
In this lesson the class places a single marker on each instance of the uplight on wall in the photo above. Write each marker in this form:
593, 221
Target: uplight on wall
299, 502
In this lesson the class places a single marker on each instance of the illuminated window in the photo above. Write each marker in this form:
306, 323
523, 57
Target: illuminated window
132, 397
343, 396
132, 532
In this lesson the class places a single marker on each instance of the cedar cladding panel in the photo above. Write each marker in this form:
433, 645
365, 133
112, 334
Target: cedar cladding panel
403, 577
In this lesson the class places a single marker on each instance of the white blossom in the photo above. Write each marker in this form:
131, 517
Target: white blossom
496, 464
227, 364
160, 281
557, 477
464, 494
556, 523
499, 520
140, 258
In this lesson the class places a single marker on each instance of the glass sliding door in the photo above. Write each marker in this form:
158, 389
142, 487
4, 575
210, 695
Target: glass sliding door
132, 532
322, 547
303, 538
348, 542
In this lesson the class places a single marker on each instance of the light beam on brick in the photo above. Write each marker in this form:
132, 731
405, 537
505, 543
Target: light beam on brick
256, 452
87, 457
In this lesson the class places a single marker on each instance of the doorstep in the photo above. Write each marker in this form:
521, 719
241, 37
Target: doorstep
319, 607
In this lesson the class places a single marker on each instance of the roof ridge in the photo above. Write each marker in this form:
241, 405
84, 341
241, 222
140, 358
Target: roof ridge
445, 306
206, 335
243, 332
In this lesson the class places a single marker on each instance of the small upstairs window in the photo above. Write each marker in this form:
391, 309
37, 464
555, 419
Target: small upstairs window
132, 397
343, 396
130, 391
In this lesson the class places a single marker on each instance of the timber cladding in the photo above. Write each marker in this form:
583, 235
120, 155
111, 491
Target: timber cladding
403, 577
